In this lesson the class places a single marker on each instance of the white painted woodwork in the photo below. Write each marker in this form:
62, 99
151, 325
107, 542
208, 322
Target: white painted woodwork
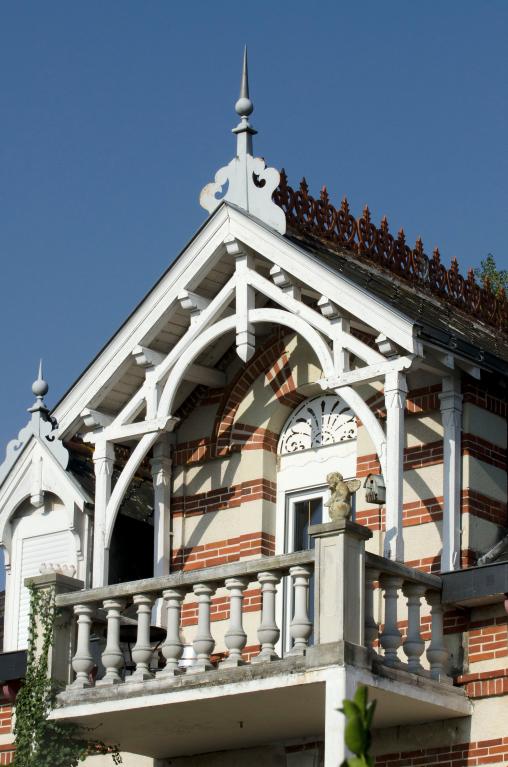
245, 302
103, 459
30, 552
386, 347
395, 401
198, 374
317, 422
285, 282
201, 374
314, 318
312, 272
202, 256
193, 303
146, 357
94, 419
161, 475
368, 373
451, 414
340, 325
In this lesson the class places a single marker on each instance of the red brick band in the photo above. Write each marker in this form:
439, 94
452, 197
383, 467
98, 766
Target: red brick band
222, 552
224, 498
485, 684
459, 755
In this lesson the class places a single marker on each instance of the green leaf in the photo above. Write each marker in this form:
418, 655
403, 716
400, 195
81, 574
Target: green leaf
355, 735
350, 708
360, 698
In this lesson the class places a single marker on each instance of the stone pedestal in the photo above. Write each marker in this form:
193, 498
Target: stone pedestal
60, 653
339, 581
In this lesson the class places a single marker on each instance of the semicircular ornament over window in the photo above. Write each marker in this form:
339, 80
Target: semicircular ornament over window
320, 421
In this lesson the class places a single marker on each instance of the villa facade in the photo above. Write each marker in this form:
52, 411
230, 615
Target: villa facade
178, 498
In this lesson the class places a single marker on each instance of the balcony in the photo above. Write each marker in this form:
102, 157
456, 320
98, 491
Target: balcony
241, 690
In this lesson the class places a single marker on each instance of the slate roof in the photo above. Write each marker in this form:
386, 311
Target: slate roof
440, 322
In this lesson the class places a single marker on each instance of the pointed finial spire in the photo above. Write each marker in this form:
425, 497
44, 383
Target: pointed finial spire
244, 107
40, 389
246, 181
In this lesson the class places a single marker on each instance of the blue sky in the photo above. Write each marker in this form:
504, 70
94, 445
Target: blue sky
114, 115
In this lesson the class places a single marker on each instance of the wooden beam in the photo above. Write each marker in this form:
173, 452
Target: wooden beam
367, 373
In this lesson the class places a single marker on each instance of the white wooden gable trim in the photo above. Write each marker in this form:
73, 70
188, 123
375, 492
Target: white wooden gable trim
317, 275
38, 469
201, 254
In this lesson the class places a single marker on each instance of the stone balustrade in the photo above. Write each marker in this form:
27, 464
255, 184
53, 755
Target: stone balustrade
396, 582
357, 599
201, 585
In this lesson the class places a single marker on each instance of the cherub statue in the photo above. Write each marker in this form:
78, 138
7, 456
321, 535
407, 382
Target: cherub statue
339, 504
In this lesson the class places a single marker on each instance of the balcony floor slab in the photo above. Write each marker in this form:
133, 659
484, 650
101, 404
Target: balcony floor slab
251, 705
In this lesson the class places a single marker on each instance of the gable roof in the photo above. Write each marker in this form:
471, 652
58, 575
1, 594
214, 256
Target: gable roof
407, 313
453, 311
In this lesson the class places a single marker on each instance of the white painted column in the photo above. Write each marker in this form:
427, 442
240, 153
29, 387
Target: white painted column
339, 685
103, 458
161, 474
395, 401
451, 414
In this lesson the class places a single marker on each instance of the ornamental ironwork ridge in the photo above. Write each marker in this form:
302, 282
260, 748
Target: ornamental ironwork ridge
338, 227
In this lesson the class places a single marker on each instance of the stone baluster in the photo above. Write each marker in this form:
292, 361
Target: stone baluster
235, 637
301, 627
142, 651
391, 638
268, 633
204, 641
437, 654
172, 648
371, 626
413, 645
112, 657
82, 662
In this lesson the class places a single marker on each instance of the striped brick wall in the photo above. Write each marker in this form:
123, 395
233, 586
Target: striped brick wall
6, 753
486, 398
486, 684
222, 552
219, 610
486, 752
488, 639
6, 749
224, 498
482, 506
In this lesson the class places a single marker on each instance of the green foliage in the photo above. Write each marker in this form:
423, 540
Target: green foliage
492, 277
39, 742
359, 714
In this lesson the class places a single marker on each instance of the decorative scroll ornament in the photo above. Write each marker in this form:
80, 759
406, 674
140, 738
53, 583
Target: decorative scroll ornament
246, 181
320, 421
41, 426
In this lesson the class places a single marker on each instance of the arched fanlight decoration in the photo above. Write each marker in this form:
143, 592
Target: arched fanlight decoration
317, 422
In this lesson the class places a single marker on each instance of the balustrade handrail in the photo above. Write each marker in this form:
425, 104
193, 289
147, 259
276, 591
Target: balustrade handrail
216, 574
389, 567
